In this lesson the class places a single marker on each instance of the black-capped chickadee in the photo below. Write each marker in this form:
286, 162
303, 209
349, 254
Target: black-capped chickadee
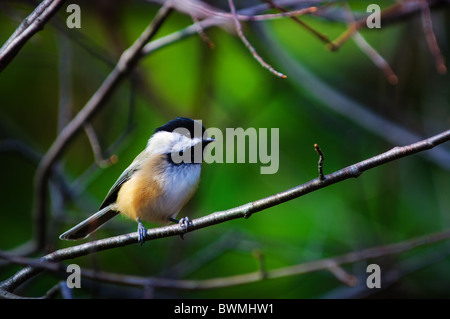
158, 183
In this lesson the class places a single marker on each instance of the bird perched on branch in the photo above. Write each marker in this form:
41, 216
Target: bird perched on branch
158, 183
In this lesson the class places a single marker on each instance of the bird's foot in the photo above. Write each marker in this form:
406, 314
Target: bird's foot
141, 232
184, 223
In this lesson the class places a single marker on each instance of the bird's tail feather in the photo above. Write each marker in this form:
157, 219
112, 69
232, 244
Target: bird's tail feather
89, 225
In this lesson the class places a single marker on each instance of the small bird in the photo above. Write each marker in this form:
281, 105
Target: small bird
158, 183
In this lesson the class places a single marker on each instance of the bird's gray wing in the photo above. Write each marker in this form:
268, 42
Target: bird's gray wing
125, 176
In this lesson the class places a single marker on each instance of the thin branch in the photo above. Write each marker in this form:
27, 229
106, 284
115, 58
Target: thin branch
373, 55
96, 147
398, 8
202, 33
317, 34
257, 253
342, 275
320, 164
31, 25
95, 144
376, 58
244, 211
124, 66
248, 14
273, 16
31, 262
299, 269
248, 45
201, 10
203, 256
333, 264
431, 38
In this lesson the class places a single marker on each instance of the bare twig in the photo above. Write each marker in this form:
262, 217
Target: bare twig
36, 263
243, 211
201, 10
272, 16
320, 164
333, 264
317, 34
202, 33
373, 55
395, 9
431, 38
257, 253
342, 275
96, 147
248, 45
205, 255
31, 25
376, 58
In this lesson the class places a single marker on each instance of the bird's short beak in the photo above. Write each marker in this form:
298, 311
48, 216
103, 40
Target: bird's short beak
207, 140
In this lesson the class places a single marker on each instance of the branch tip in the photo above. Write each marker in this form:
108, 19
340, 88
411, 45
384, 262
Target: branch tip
320, 164
393, 79
342, 275
322, 37
252, 50
257, 253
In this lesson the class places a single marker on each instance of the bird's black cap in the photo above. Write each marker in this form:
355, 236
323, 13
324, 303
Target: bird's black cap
194, 127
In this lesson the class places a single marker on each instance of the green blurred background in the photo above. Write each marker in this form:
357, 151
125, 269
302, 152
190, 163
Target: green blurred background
59, 69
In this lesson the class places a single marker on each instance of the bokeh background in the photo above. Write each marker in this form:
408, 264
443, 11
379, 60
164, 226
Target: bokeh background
339, 100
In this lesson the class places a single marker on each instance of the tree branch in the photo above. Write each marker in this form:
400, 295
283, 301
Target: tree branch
31, 25
332, 264
431, 38
244, 40
317, 34
320, 164
244, 211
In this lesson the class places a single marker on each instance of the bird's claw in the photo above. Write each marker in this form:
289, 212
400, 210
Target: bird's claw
141, 232
184, 223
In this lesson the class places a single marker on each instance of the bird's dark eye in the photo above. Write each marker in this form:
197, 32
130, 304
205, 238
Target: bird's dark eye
181, 152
